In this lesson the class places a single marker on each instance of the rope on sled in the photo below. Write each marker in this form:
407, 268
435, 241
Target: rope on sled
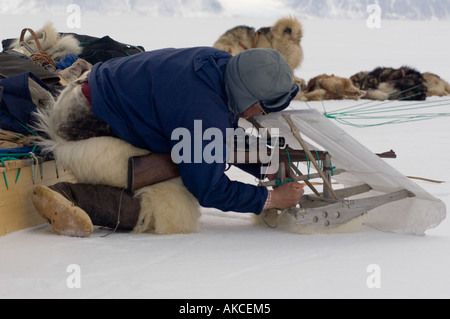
308, 165
17, 157
3, 160
40, 58
383, 112
18, 122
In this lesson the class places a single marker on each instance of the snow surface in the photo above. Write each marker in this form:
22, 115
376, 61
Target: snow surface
231, 256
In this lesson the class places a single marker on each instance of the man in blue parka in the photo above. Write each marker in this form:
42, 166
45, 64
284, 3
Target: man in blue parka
147, 98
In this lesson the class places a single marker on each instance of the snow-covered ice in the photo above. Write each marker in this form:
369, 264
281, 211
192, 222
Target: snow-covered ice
230, 256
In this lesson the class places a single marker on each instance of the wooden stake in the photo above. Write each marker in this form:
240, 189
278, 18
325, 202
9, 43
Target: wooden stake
305, 148
426, 179
310, 185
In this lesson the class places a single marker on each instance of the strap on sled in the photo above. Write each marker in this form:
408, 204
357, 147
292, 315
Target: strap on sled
41, 57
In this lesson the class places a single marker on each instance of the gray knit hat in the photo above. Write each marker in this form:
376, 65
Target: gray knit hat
259, 75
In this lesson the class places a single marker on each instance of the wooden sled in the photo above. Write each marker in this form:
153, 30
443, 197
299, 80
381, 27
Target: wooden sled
17, 179
371, 187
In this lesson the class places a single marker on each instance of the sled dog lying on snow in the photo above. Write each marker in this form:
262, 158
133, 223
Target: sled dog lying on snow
383, 83
331, 87
436, 85
284, 36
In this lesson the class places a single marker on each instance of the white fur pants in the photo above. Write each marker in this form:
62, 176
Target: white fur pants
166, 208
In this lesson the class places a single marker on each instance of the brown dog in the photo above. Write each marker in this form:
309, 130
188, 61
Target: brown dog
331, 87
284, 36
436, 85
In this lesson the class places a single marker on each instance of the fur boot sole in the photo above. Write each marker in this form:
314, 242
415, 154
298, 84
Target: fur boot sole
65, 218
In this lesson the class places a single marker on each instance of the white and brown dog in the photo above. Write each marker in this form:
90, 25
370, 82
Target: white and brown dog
284, 36
331, 87
436, 85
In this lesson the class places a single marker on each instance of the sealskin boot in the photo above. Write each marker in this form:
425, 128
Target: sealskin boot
73, 209
65, 218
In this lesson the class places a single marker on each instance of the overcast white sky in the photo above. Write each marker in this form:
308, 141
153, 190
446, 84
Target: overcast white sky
254, 8
232, 8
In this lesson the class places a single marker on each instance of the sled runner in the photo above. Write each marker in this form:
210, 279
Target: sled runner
389, 200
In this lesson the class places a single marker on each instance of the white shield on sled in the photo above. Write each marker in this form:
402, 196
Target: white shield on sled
411, 215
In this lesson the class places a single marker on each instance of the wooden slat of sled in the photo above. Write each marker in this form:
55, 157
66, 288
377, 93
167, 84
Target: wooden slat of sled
12, 165
16, 208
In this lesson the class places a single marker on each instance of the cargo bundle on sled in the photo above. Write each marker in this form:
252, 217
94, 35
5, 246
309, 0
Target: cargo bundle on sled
34, 69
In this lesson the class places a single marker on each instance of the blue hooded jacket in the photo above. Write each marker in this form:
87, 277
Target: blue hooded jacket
145, 97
